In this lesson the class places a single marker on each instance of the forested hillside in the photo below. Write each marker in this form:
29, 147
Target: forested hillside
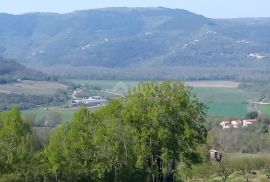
137, 43
11, 71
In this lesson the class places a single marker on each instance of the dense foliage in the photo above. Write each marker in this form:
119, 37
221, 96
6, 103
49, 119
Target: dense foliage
143, 136
10, 71
17, 147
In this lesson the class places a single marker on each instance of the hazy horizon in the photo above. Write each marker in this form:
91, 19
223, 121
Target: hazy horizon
208, 8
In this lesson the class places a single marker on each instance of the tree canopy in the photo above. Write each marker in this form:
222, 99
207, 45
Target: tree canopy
17, 144
142, 136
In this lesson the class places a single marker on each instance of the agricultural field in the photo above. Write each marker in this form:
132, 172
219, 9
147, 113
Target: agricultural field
213, 84
234, 167
65, 114
228, 102
223, 98
27, 87
265, 109
106, 84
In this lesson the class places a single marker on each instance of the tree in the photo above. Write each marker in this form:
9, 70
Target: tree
252, 115
168, 125
17, 144
70, 152
141, 137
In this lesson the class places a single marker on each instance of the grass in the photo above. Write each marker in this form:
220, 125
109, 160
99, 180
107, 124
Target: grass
33, 88
265, 109
229, 102
107, 84
65, 113
237, 165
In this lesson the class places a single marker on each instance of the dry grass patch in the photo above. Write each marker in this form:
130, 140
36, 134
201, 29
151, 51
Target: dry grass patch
213, 84
33, 88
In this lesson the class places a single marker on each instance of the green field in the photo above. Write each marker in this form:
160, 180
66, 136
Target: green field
265, 109
229, 102
39, 113
106, 84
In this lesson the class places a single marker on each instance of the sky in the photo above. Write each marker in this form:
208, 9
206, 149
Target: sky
209, 8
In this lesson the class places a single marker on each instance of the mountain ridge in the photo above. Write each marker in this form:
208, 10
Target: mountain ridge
134, 37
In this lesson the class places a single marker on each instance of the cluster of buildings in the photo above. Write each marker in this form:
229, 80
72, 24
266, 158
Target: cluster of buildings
77, 101
238, 123
87, 102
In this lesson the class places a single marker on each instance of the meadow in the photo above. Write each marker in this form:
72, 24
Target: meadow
28, 87
228, 102
66, 114
265, 109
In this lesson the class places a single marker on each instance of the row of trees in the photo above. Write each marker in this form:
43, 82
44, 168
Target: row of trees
144, 136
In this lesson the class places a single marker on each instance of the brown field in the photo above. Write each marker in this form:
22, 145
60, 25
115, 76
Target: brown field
214, 84
33, 88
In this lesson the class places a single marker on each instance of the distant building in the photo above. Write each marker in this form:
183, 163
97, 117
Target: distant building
236, 123
249, 122
225, 124
88, 102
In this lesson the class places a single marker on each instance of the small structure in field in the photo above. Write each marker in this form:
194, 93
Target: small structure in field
215, 155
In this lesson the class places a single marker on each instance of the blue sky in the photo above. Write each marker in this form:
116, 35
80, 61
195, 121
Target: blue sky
209, 8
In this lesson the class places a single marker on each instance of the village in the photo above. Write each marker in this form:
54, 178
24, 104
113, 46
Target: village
79, 98
238, 123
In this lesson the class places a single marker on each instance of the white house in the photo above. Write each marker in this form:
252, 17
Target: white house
236, 123
225, 124
249, 122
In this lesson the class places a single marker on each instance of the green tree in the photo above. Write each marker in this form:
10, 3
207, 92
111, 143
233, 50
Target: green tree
70, 152
17, 145
252, 115
168, 125
141, 137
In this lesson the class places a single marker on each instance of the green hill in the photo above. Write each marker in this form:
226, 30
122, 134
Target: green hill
153, 43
